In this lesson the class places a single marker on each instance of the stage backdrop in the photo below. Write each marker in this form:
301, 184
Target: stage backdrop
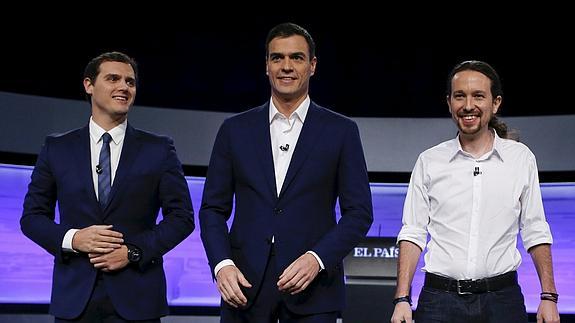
26, 269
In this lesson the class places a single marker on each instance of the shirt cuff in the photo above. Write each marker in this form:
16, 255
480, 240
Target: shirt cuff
222, 264
67, 242
321, 266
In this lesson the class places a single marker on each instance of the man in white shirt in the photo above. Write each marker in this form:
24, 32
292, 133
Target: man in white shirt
473, 195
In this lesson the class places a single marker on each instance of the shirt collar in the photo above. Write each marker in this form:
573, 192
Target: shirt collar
498, 146
117, 133
455, 147
300, 112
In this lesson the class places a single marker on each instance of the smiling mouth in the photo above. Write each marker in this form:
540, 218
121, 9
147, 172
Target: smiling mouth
120, 98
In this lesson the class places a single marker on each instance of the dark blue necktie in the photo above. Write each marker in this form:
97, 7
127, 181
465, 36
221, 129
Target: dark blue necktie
105, 171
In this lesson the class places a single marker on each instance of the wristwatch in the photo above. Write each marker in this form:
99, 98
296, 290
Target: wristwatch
134, 254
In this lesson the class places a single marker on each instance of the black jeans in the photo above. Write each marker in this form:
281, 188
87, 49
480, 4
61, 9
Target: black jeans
505, 305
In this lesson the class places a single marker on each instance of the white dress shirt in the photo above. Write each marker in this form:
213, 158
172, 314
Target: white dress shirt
473, 209
284, 133
117, 133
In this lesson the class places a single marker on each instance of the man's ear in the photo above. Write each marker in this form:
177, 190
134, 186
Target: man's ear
313, 65
88, 85
497, 103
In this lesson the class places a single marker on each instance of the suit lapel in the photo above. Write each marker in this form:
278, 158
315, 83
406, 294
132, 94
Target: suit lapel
307, 139
81, 151
263, 145
129, 152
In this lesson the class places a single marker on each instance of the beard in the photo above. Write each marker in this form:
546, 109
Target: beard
478, 124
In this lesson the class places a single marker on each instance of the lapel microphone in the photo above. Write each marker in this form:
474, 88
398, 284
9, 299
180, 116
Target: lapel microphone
98, 169
284, 148
476, 171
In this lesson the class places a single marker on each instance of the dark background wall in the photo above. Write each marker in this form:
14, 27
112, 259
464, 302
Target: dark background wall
371, 63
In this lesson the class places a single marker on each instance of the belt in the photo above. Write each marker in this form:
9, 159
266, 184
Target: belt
468, 286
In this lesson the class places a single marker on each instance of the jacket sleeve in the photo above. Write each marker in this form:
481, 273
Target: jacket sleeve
178, 214
217, 200
354, 201
37, 221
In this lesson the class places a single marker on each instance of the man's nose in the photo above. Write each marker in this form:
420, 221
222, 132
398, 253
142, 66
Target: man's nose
468, 105
287, 65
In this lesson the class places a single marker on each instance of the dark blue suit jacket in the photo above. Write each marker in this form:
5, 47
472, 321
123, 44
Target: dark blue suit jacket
327, 164
149, 176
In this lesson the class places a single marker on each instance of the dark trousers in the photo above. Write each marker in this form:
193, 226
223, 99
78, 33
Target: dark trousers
505, 305
269, 307
100, 309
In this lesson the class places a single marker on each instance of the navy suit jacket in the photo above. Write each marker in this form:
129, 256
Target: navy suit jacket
327, 164
149, 177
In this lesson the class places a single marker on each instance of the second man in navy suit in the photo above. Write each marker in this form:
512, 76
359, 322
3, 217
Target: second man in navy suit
286, 163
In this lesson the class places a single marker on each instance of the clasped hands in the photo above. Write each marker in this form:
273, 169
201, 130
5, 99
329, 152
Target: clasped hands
104, 246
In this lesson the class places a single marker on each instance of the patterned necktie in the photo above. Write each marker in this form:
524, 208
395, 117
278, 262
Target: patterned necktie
105, 171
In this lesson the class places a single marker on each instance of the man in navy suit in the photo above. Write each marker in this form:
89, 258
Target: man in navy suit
286, 163
109, 180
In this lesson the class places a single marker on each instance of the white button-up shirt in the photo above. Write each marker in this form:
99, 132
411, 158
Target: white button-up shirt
473, 209
284, 132
117, 133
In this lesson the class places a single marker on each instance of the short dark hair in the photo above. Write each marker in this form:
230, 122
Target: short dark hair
93, 68
288, 29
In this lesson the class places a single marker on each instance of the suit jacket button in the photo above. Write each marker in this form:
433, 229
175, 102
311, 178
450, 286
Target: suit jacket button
278, 211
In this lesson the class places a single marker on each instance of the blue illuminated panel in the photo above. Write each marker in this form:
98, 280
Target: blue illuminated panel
26, 269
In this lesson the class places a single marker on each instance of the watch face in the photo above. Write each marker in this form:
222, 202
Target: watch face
134, 254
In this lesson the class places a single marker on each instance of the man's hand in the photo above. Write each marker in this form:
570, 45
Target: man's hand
547, 312
229, 279
299, 274
97, 239
402, 313
112, 261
